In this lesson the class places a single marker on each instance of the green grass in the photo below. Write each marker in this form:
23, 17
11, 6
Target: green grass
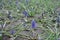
36, 7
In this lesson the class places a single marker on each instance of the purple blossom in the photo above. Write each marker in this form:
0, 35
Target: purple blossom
58, 38
33, 23
17, 6
12, 32
26, 2
57, 19
16, 2
59, 14
25, 13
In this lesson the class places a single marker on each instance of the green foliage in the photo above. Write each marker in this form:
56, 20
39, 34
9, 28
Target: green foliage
31, 14
0, 37
33, 7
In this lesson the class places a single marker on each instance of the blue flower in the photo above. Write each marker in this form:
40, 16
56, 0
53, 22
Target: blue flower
59, 14
12, 32
16, 2
17, 6
26, 2
58, 38
33, 23
25, 13
58, 20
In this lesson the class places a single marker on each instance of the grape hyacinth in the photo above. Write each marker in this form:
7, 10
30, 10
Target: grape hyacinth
25, 13
59, 14
16, 2
12, 32
58, 18
26, 1
17, 6
33, 25
58, 38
